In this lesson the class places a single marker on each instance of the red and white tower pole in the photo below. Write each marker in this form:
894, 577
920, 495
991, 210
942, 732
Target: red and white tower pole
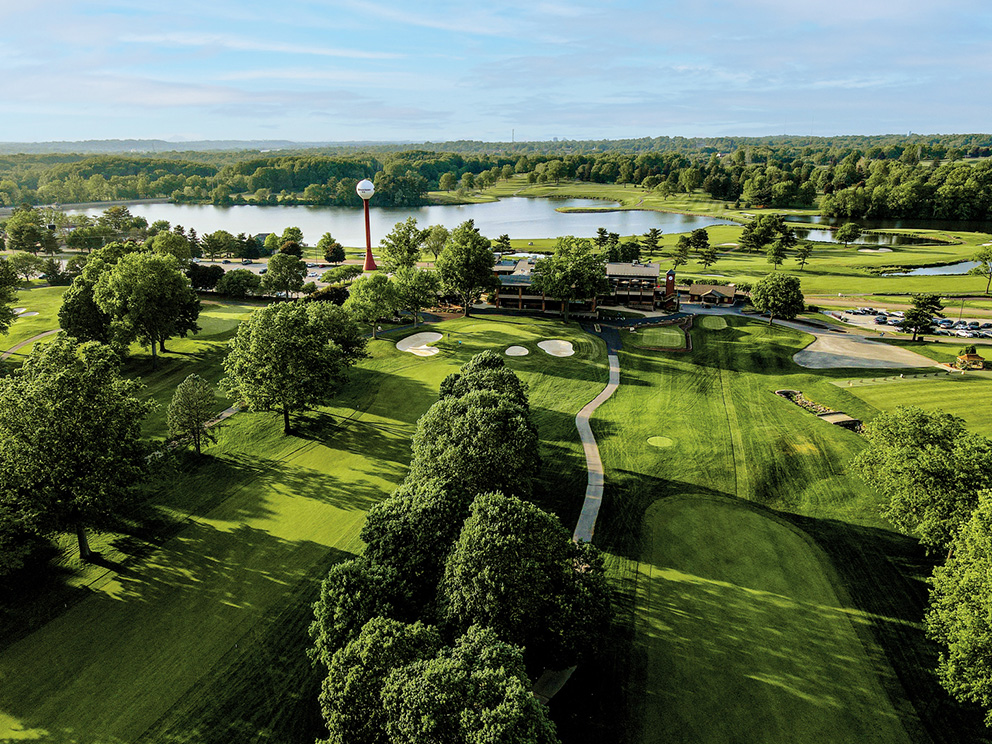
365, 190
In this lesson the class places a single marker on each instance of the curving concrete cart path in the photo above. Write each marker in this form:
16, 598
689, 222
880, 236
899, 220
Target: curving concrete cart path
586, 525
17, 347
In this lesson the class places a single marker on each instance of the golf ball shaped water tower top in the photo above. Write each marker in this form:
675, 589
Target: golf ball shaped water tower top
365, 189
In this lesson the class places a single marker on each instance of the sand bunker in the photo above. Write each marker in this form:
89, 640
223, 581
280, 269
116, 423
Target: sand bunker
516, 351
556, 347
727, 245
417, 344
19, 310
874, 250
25, 315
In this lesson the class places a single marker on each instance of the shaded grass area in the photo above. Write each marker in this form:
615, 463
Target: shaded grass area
727, 629
191, 627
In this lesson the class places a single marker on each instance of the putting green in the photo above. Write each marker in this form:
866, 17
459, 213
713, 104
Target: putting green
745, 638
660, 442
711, 322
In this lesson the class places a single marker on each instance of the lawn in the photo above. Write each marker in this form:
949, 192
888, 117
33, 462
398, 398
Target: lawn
961, 395
762, 597
193, 628
661, 337
37, 298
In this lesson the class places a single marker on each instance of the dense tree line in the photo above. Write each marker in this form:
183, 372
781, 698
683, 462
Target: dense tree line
772, 171
466, 589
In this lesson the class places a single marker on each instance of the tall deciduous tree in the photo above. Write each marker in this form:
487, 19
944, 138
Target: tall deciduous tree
478, 691
149, 299
8, 294
436, 238
466, 264
930, 468
572, 272
372, 297
416, 289
172, 244
925, 308
292, 355
330, 248
958, 617
400, 248
516, 570
26, 265
984, 268
848, 233
803, 252
285, 274
478, 442
193, 405
778, 295
70, 437
239, 283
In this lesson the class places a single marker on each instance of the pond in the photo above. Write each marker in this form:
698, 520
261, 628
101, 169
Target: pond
520, 218
894, 224
948, 270
827, 236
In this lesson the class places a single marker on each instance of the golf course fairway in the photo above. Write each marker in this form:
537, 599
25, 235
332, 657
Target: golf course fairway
737, 615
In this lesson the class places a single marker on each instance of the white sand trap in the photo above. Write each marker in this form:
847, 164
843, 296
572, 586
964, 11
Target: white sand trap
25, 315
556, 347
727, 245
874, 250
517, 351
19, 310
417, 344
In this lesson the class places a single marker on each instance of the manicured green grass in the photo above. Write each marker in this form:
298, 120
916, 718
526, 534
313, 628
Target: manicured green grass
762, 643
965, 395
666, 337
193, 626
762, 596
38, 298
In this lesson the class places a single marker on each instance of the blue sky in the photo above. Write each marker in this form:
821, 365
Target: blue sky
342, 71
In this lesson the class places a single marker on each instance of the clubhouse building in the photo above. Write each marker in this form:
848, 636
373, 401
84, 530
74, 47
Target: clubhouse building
634, 285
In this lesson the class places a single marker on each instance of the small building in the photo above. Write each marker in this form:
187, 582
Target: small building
715, 294
636, 285
516, 291
970, 361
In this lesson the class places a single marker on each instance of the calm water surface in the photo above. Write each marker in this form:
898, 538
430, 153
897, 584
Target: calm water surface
520, 218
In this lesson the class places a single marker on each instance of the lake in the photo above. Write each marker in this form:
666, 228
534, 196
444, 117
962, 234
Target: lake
947, 270
520, 218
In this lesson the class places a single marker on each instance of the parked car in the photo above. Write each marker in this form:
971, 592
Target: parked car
226, 261
247, 261
964, 334
881, 320
941, 332
986, 325
263, 270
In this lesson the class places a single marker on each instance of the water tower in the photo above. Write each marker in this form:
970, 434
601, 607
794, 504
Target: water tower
365, 190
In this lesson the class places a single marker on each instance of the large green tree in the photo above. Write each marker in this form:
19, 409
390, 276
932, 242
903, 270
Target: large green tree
351, 695
466, 265
172, 244
437, 236
573, 272
26, 265
70, 437
925, 308
285, 274
778, 295
848, 233
959, 616
929, 467
193, 405
477, 442
149, 299
292, 355
516, 570
416, 289
401, 247
26, 231
475, 692
984, 268
8, 295
330, 249
372, 297
239, 283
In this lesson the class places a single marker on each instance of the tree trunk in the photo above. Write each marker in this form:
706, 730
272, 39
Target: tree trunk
988, 284
468, 305
84, 545
161, 346
415, 318
196, 440
285, 419
154, 356
771, 317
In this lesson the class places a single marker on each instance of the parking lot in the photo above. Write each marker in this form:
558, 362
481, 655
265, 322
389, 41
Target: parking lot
886, 322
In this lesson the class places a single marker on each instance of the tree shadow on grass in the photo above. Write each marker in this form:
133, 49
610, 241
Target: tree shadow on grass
124, 657
884, 574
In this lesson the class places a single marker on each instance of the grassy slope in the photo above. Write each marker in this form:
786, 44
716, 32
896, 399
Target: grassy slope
790, 615
199, 636
43, 300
